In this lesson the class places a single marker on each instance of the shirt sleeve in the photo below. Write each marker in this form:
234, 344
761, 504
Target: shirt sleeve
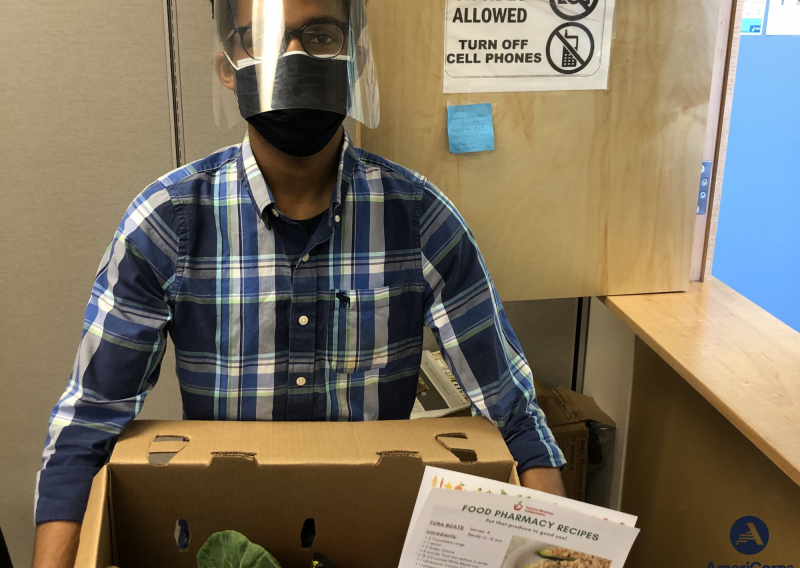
119, 356
464, 312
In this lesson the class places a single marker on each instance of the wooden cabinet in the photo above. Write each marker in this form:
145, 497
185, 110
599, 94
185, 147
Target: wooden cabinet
587, 192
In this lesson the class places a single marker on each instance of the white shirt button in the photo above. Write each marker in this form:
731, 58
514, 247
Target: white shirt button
275, 212
303, 320
337, 218
301, 381
305, 258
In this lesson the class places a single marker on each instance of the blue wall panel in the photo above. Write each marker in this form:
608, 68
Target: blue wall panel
758, 238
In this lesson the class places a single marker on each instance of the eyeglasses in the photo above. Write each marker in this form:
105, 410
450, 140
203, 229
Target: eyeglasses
321, 41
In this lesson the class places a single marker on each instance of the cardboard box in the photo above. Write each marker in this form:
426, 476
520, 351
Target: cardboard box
542, 394
570, 416
346, 490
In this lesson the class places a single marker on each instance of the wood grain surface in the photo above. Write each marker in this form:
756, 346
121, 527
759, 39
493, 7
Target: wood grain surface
587, 192
740, 358
689, 474
722, 56
715, 197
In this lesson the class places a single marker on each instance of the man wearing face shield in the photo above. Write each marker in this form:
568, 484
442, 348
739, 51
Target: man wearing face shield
293, 272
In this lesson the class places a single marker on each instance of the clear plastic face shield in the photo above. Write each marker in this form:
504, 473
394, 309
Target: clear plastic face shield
293, 54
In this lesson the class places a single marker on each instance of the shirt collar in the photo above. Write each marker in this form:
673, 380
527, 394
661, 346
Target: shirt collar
263, 200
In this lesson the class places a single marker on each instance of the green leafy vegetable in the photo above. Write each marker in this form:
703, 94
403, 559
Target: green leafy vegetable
230, 549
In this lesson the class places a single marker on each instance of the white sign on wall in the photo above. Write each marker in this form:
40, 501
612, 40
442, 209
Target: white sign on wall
784, 17
496, 46
753, 17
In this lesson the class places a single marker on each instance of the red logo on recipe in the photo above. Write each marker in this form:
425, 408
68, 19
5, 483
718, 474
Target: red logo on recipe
518, 506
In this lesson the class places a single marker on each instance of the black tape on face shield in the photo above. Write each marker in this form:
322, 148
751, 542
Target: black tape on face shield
300, 82
309, 99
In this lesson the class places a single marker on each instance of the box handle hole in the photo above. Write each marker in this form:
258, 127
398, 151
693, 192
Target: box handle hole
171, 439
182, 534
464, 455
308, 533
164, 448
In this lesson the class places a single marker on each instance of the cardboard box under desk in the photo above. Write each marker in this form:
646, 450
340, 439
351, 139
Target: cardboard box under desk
569, 415
357, 481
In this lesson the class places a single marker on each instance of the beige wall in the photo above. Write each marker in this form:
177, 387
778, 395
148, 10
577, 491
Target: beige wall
689, 474
84, 127
195, 33
546, 332
608, 377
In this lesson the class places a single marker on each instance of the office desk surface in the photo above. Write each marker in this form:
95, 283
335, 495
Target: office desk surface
740, 358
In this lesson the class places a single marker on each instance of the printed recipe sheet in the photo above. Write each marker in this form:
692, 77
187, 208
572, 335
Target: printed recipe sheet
460, 529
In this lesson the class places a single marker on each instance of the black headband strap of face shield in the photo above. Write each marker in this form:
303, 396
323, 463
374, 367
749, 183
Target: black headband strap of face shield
230, 5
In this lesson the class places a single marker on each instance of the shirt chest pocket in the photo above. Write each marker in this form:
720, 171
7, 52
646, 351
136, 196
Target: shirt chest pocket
367, 329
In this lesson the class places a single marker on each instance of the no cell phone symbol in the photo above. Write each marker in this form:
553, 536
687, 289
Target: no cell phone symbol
573, 10
570, 48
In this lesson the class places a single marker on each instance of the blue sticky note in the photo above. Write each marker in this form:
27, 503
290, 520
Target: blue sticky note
470, 128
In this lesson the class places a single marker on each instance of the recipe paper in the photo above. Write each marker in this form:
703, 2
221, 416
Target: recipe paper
446, 479
463, 529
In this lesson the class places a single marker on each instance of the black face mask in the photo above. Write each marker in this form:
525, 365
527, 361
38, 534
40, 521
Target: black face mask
299, 132
310, 98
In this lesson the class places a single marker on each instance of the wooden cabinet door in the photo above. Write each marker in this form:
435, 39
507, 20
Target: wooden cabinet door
587, 192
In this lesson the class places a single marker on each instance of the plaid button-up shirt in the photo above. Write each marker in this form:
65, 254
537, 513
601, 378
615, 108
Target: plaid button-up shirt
263, 331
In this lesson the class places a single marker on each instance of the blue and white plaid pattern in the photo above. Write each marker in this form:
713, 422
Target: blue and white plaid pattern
264, 332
